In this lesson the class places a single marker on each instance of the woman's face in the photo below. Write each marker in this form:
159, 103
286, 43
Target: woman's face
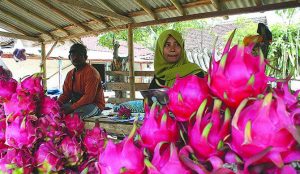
172, 50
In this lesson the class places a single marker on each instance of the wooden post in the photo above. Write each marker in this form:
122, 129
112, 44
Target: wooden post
43, 65
131, 62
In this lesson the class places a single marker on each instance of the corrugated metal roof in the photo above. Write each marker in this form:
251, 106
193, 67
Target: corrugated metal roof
50, 20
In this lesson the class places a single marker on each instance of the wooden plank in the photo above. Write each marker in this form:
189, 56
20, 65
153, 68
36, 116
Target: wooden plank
43, 65
126, 86
269, 7
144, 6
131, 62
118, 100
19, 36
126, 73
178, 6
94, 9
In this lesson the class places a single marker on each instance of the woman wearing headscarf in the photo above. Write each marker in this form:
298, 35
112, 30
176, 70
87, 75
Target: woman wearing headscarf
170, 60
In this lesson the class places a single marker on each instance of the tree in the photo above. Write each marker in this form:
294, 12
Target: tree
148, 35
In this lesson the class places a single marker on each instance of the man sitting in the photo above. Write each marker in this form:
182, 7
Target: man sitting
82, 90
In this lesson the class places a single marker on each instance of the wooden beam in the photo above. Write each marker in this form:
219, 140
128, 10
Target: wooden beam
259, 2
14, 28
25, 23
64, 15
167, 8
51, 49
121, 86
43, 66
179, 7
39, 17
269, 7
131, 62
146, 8
19, 36
126, 73
95, 18
93, 9
216, 4
112, 7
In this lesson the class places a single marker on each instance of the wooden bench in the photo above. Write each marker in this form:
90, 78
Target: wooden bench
125, 86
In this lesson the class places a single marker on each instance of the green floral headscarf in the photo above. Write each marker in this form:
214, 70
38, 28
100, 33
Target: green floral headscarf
168, 71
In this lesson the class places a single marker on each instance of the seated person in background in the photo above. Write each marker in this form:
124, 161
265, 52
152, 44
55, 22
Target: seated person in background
82, 90
170, 60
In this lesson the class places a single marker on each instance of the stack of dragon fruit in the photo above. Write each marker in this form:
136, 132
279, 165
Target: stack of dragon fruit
36, 138
231, 121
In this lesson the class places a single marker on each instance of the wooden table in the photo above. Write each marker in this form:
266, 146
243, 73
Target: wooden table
111, 126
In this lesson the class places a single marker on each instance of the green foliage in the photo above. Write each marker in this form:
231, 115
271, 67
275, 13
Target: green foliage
284, 51
147, 36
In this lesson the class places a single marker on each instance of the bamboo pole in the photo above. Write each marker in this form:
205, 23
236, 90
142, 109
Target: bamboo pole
131, 62
43, 65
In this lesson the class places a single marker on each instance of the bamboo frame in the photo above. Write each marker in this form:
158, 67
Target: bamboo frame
131, 62
43, 65
142, 4
179, 7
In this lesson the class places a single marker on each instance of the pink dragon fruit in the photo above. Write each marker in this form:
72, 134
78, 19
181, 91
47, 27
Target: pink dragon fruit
95, 140
2, 133
19, 105
17, 160
72, 151
237, 75
124, 113
49, 106
264, 132
207, 134
123, 157
158, 126
74, 124
88, 166
186, 96
21, 132
7, 89
48, 158
51, 127
166, 160
31, 86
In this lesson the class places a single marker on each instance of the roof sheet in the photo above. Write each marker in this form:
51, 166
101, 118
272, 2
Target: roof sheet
52, 20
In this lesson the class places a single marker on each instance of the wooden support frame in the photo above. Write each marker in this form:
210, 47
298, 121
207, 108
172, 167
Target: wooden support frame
179, 7
97, 19
85, 28
43, 65
39, 17
268, 7
19, 36
142, 4
93, 9
131, 62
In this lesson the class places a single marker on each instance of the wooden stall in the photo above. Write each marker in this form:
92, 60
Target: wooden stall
54, 21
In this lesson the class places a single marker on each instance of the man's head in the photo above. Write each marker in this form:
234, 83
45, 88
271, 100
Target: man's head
78, 55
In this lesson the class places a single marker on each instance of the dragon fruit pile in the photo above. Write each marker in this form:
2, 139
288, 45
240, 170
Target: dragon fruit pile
36, 138
231, 121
